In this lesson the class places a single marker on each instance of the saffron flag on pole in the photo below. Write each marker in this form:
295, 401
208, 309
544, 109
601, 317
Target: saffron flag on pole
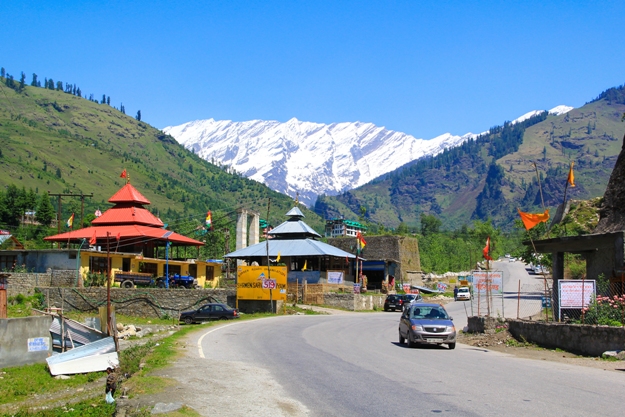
93, 239
486, 250
70, 221
123, 174
119, 236
361, 241
305, 265
530, 220
571, 178
278, 258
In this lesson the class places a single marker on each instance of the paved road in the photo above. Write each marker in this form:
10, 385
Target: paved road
352, 365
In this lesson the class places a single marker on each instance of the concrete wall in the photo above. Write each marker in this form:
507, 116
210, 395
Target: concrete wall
576, 338
142, 302
15, 349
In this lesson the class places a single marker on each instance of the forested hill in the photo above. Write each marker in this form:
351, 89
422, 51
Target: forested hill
492, 175
53, 140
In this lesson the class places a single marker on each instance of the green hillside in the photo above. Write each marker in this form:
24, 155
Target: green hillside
55, 141
489, 177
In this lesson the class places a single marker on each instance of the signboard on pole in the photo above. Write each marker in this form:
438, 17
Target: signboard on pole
491, 281
255, 283
575, 293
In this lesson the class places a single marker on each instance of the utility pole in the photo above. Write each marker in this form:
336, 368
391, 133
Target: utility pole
82, 206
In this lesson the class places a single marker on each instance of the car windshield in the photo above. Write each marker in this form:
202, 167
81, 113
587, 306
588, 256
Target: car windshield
463, 290
429, 313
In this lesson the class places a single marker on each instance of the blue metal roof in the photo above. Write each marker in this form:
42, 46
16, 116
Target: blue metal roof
290, 247
291, 227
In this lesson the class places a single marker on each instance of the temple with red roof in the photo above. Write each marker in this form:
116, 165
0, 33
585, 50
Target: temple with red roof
130, 227
135, 240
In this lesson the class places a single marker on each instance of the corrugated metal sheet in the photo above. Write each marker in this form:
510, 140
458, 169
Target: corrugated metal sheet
94, 357
294, 228
293, 247
76, 334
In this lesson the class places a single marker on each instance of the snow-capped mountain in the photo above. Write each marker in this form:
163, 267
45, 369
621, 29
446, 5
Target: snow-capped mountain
304, 157
556, 111
311, 158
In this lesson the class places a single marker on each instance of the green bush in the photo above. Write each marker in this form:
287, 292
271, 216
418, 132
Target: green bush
605, 310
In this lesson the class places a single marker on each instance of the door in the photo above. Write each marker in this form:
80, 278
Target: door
404, 323
204, 313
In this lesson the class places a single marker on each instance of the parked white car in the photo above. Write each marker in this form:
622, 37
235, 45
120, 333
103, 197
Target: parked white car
464, 294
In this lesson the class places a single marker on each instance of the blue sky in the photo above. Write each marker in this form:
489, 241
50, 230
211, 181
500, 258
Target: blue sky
421, 67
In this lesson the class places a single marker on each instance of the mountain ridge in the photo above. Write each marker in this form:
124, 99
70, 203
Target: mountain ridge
311, 159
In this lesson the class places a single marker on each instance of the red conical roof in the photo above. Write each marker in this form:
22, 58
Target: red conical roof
128, 194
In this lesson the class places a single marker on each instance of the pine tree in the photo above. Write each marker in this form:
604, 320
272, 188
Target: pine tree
108, 100
2, 72
45, 210
22, 81
103, 99
138, 116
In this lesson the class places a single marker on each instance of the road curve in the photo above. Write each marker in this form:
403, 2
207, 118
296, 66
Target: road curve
353, 365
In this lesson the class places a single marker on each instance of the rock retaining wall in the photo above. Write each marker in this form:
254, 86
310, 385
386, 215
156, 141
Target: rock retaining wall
583, 339
141, 302
353, 301
482, 324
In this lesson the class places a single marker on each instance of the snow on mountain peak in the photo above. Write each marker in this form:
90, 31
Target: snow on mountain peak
561, 109
305, 157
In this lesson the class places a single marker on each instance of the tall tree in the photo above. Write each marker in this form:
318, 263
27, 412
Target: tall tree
138, 117
22, 81
45, 210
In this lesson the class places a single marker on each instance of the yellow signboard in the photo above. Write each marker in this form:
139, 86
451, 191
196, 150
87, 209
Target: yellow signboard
464, 282
260, 283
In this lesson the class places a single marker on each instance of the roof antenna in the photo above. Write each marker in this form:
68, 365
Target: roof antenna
297, 198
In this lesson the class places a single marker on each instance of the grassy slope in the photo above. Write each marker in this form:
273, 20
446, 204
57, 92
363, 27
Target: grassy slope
455, 190
90, 144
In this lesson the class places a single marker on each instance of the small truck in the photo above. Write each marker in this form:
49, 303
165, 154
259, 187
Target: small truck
178, 281
132, 279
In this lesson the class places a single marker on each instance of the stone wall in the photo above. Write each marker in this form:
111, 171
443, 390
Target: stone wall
477, 324
25, 284
353, 301
141, 302
576, 338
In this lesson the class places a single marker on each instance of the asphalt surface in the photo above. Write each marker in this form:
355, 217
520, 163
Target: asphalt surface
353, 365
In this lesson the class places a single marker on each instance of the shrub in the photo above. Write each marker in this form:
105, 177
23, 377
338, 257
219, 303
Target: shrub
605, 310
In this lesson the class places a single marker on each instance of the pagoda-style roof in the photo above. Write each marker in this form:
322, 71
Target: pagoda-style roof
128, 194
128, 235
294, 227
124, 214
128, 219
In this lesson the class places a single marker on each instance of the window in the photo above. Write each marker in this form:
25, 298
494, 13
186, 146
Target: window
7, 262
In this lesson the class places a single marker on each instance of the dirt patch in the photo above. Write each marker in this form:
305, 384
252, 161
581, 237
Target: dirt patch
503, 341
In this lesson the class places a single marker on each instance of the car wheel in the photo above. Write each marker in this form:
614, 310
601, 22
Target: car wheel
223, 318
402, 340
188, 320
452, 345
128, 284
411, 344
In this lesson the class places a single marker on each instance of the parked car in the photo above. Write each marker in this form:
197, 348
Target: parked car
463, 294
424, 323
212, 311
411, 299
393, 302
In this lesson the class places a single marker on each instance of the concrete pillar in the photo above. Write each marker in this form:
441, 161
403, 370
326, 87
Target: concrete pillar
241, 228
255, 228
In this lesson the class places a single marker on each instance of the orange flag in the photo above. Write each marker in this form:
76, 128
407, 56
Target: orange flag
93, 239
486, 250
571, 178
530, 220
123, 174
